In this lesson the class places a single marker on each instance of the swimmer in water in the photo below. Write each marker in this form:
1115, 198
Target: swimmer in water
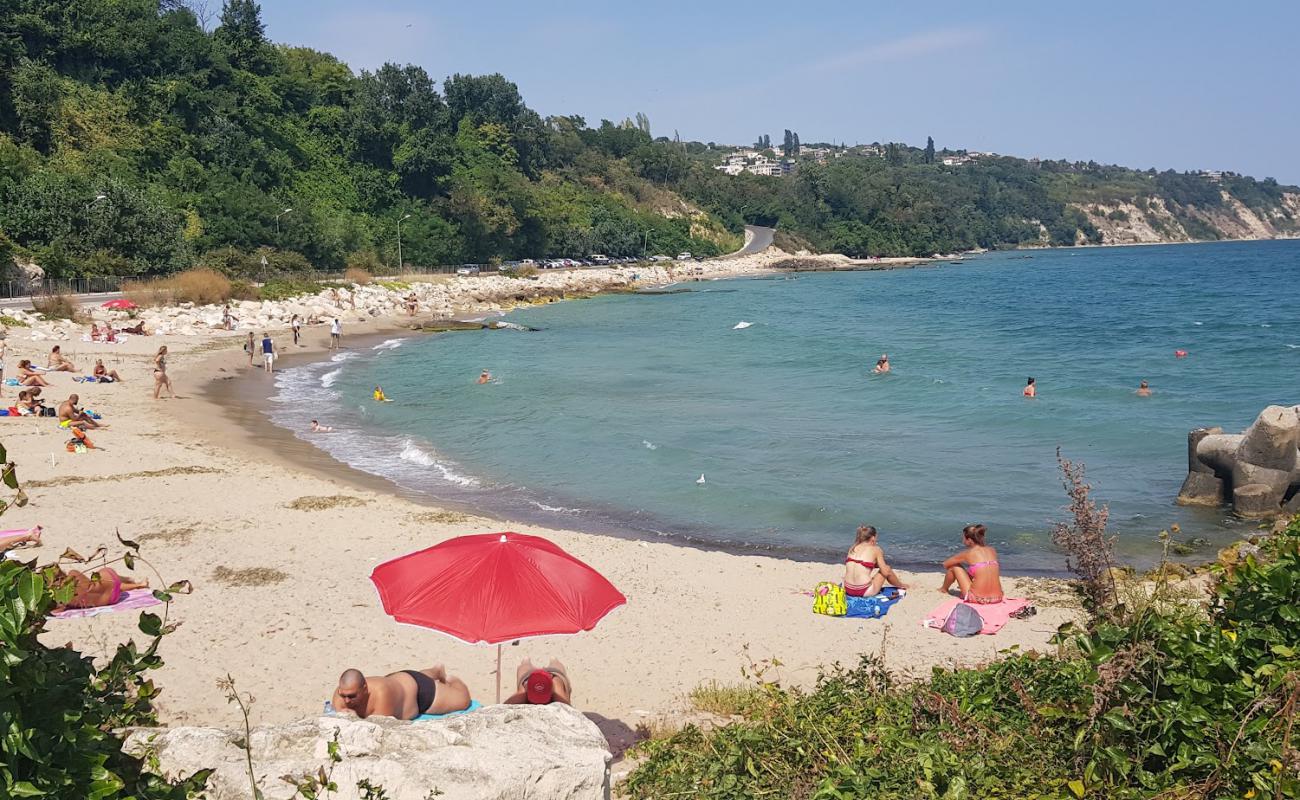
1031, 389
1144, 389
316, 427
484, 377
378, 394
882, 366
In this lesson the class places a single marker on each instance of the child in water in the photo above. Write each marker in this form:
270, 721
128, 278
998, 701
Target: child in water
379, 395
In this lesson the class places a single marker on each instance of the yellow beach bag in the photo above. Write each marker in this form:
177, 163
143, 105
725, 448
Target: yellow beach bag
828, 599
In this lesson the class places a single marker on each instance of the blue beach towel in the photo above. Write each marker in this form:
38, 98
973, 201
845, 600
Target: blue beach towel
873, 607
474, 705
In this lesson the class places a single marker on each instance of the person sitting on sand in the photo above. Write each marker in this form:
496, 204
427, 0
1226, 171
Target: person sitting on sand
865, 570
379, 395
28, 376
24, 403
540, 687
975, 570
316, 427
403, 695
1143, 390
103, 587
58, 363
12, 539
95, 334
882, 365
484, 377
104, 375
1031, 389
72, 417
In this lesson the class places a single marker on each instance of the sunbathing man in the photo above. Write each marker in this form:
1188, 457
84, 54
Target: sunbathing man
539, 687
72, 417
404, 695
58, 363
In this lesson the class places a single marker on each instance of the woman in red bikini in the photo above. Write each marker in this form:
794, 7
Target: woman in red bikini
865, 570
975, 570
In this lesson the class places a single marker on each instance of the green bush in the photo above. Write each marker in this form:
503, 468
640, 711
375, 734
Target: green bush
1151, 702
285, 288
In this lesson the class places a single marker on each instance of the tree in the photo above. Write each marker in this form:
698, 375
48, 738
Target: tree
787, 144
929, 150
242, 34
794, 144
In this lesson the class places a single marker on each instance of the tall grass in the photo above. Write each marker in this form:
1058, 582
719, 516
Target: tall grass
358, 276
57, 306
198, 286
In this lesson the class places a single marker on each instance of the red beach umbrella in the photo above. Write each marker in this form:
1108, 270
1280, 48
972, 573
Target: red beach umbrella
120, 303
495, 587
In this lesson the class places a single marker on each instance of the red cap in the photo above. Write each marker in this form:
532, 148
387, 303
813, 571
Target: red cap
539, 687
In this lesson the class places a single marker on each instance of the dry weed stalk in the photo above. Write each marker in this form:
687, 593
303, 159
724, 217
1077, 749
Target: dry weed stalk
1089, 552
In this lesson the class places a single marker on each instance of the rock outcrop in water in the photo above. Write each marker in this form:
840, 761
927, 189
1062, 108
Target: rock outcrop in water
1257, 472
545, 752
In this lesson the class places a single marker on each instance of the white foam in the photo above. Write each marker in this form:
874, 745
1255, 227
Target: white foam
1198, 323
556, 509
389, 344
337, 357
1294, 346
1265, 325
740, 326
414, 454
327, 380
649, 445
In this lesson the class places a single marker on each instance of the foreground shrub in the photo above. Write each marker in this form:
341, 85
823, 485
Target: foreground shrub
285, 288
246, 265
1197, 703
199, 286
57, 306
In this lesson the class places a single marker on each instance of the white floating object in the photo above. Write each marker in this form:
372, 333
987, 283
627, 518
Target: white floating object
740, 326
701, 479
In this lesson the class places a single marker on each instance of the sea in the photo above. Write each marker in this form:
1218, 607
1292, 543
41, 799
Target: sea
744, 414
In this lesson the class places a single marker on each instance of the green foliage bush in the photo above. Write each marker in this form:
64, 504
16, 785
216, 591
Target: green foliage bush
286, 288
1151, 702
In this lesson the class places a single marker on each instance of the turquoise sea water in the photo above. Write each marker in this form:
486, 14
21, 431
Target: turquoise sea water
608, 416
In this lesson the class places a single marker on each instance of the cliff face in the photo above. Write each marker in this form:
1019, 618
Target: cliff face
1155, 220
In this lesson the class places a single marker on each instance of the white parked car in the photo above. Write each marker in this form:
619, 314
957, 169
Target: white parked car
599, 259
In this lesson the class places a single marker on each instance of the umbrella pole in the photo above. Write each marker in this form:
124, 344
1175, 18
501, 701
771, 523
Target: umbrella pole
498, 674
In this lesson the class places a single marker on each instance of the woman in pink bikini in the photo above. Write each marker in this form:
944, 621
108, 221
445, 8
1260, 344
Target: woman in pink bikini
865, 570
103, 587
975, 570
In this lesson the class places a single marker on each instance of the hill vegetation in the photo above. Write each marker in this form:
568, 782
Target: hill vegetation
135, 141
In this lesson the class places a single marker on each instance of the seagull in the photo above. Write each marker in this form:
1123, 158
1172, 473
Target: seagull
701, 480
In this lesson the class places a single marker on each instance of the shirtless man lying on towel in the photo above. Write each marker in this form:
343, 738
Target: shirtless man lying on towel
404, 695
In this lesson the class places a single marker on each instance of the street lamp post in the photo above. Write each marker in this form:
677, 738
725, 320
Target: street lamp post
399, 241
277, 224
98, 198
645, 245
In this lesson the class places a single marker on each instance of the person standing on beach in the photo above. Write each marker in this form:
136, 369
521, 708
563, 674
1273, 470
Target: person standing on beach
160, 378
336, 334
295, 325
250, 348
268, 352
1031, 389
227, 318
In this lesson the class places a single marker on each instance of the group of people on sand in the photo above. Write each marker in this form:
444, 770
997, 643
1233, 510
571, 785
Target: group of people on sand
974, 571
411, 693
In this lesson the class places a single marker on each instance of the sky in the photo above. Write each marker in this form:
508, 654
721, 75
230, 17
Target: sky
1182, 85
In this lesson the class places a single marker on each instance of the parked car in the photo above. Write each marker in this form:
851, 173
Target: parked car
660, 258
468, 269
600, 259
684, 256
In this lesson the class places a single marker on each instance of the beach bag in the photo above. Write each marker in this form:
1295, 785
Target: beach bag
828, 599
963, 621
47, 411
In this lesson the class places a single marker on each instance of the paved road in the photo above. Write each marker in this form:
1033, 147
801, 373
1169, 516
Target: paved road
759, 240
85, 299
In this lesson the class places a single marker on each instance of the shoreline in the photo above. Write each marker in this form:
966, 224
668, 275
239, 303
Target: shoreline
280, 544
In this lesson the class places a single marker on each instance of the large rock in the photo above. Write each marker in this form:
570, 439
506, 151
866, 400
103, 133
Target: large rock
1258, 470
498, 752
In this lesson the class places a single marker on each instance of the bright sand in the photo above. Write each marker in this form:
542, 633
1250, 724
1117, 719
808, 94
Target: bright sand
203, 487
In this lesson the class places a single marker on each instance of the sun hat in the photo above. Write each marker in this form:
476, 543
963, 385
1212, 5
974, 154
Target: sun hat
539, 687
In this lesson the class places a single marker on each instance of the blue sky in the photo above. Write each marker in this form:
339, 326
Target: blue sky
1187, 85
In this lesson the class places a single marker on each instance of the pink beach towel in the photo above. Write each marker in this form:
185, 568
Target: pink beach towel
995, 615
132, 600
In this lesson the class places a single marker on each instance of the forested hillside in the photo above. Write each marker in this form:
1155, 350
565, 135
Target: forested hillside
133, 141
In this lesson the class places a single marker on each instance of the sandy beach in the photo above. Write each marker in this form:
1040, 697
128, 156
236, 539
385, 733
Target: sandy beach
279, 542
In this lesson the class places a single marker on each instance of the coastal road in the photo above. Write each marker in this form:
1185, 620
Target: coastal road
757, 239
84, 299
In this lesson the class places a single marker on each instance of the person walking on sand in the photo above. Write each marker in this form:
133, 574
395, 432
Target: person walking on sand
336, 334
882, 365
1031, 389
250, 347
268, 353
975, 570
1143, 390
160, 378
295, 325
865, 570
